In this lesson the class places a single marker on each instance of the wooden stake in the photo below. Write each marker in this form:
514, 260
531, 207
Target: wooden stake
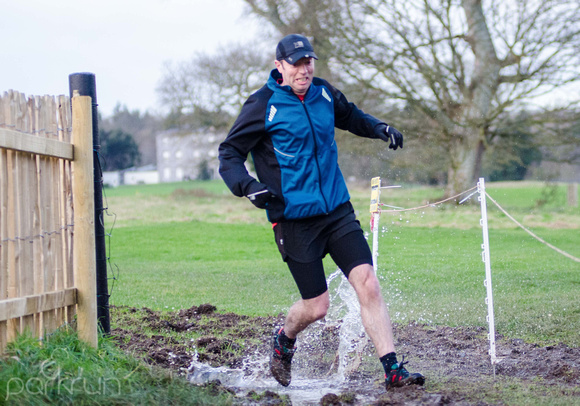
84, 257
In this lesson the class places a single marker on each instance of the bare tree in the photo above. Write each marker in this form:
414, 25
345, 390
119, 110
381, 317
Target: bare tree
462, 64
306, 17
209, 90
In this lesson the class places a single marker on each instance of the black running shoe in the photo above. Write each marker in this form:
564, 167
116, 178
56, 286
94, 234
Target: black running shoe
399, 376
281, 360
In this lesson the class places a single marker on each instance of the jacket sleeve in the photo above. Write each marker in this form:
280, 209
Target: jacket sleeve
246, 133
347, 116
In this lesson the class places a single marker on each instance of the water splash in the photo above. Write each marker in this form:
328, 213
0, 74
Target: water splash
352, 338
329, 352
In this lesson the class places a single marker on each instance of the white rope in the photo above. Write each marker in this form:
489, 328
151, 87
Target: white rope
573, 258
428, 205
531, 233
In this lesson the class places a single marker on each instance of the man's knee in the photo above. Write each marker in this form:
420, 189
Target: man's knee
365, 281
318, 306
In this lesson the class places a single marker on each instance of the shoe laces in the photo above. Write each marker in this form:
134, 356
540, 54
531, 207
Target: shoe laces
282, 352
285, 354
400, 369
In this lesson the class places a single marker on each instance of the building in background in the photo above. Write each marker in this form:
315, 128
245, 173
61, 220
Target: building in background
142, 175
188, 155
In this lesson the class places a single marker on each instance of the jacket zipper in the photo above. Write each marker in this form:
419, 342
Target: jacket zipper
316, 157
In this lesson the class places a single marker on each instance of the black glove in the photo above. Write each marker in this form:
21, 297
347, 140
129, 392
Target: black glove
261, 197
392, 135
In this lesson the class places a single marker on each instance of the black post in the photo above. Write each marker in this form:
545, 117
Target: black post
85, 84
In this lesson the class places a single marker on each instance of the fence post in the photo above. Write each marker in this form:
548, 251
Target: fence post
85, 85
487, 282
84, 257
375, 216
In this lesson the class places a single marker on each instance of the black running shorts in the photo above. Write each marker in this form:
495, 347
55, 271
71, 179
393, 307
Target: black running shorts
304, 243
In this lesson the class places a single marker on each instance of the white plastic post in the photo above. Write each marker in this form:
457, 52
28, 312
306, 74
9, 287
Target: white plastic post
375, 216
487, 281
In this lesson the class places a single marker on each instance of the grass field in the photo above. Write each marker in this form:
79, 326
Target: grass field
174, 246
183, 244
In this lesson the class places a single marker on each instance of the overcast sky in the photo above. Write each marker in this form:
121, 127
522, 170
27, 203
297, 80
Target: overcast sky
123, 42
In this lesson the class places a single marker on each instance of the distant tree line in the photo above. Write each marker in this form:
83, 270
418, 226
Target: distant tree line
128, 138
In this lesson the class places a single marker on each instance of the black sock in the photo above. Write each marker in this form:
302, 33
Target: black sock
388, 361
284, 341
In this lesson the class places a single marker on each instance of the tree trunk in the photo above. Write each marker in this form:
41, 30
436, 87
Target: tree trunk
466, 154
467, 148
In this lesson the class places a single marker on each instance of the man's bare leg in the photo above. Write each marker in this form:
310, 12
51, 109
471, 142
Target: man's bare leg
374, 313
377, 323
305, 312
301, 315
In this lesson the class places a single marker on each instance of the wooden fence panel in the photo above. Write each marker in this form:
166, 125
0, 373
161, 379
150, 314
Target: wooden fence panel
65, 135
13, 243
3, 226
37, 274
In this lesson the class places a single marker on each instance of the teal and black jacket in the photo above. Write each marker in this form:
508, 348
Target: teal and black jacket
293, 147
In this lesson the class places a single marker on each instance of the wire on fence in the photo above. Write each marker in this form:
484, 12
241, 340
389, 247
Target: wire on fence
43, 234
38, 131
572, 257
112, 266
430, 204
531, 233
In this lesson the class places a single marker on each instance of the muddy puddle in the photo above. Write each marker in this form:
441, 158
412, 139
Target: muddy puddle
335, 363
330, 362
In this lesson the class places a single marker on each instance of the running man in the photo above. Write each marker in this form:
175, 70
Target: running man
288, 127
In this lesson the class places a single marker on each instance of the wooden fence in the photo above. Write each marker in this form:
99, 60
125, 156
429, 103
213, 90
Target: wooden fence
47, 262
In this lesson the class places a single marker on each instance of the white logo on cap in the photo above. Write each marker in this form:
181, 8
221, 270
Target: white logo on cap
298, 44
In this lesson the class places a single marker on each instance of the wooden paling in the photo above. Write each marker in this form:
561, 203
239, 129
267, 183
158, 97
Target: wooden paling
43, 272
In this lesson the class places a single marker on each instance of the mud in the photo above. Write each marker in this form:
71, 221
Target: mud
455, 359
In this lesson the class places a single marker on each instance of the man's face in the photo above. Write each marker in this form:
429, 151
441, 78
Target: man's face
298, 76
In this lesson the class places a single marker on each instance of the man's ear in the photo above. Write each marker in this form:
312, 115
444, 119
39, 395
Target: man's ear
278, 65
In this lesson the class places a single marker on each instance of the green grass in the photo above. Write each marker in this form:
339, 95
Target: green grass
165, 189
184, 244
505, 391
178, 265
436, 276
537, 195
63, 370
220, 250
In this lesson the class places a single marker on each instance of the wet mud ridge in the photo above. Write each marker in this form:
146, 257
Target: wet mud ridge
455, 360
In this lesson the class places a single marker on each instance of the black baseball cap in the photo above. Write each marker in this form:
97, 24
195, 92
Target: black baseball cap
294, 47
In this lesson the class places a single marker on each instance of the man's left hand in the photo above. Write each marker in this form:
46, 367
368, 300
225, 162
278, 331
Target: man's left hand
393, 136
